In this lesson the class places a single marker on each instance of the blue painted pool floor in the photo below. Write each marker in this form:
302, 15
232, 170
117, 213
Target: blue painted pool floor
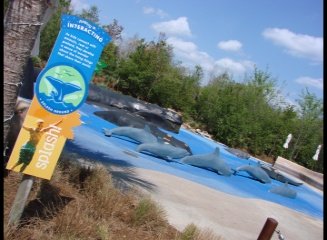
90, 141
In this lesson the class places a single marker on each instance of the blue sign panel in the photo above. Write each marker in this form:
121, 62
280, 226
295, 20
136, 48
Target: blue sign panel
62, 86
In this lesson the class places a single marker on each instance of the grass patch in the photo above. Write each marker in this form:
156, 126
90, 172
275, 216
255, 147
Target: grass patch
148, 214
192, 232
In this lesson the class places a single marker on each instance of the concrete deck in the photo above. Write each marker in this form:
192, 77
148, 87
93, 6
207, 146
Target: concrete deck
314, 179
226, 215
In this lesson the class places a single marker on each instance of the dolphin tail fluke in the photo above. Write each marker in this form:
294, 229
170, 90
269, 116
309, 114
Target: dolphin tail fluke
62, 88
107, 132
234, 171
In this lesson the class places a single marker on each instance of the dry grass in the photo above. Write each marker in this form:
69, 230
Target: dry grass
84, 204
192, 232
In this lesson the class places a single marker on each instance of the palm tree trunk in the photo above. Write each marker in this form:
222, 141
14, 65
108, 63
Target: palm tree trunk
21, 25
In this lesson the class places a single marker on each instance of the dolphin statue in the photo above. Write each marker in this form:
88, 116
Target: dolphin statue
124, 118
276, 174
163, 150
256, 172
61, 88
211, 160
137, 134
284, 190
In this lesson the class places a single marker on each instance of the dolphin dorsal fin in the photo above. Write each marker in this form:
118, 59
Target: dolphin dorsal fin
217, 151
147, 128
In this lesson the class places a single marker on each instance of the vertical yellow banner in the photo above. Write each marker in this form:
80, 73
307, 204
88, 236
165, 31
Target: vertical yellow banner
41, 141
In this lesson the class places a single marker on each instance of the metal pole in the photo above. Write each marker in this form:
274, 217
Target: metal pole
20, 200
268, 229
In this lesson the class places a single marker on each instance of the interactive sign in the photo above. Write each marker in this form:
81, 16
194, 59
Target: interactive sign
61, 88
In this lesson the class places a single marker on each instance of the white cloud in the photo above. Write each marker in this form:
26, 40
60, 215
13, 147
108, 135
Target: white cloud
298, 45
181, 45
309, 81
78, 5
149, 10
158, 12
230, 45
189, 53
236, 68
178, 27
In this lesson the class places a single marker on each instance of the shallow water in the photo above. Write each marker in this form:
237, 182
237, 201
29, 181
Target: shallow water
91, 142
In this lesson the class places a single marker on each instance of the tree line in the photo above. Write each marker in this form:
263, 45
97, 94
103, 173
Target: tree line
250, 115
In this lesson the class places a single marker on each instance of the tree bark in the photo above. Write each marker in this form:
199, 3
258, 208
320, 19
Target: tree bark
21, 25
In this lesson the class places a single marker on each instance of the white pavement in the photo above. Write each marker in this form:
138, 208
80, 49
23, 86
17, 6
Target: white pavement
228, 216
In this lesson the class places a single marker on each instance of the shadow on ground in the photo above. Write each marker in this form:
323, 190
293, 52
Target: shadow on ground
122, 172
46, 205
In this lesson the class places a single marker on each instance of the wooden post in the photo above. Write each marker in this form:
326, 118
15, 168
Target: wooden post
268, 229
20, 200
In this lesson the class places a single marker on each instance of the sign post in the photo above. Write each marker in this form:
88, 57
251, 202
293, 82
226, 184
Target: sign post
20, 200
61, 88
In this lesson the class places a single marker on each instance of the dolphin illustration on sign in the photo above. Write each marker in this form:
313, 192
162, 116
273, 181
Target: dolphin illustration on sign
61, 89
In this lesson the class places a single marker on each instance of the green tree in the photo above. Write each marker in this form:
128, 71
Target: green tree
242, 115
91, 14
308, 134
114, 30
261, 99
144, 67
177, 89
213, 107
283, 123
109, 74
51, 30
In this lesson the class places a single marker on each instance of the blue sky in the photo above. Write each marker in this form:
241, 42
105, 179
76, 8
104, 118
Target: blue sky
284, 37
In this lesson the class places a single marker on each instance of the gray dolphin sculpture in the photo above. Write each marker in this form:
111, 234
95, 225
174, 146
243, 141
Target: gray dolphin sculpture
276, 174
137, 134
284, 190
211, 160
163, 150
255, 172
